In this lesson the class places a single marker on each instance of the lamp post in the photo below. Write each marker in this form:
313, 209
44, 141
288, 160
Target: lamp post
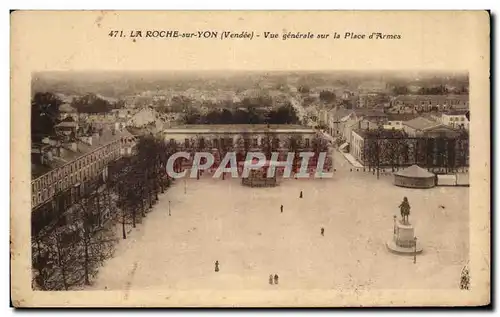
415, 251
169, 208
395, 224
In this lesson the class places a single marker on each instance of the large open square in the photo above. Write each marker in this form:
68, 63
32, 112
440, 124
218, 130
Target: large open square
243, 228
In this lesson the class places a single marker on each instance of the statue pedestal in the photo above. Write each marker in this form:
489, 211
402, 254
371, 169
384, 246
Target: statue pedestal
403, 241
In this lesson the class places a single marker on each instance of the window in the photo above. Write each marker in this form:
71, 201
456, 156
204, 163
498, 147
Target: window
201, 143
186, 142
255, 142
276, 143
307, 142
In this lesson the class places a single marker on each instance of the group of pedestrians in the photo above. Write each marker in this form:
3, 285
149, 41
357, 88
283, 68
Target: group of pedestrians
273, 279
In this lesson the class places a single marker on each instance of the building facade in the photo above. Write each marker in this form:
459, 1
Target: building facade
428, 103
455, 119
234, 136
74, 168
242, 138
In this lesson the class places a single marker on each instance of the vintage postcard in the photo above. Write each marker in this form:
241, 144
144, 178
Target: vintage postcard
250, 158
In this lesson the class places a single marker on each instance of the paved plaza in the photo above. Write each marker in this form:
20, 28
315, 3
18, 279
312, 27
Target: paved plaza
243, 229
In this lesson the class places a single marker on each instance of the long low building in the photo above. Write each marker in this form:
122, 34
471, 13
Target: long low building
213, 136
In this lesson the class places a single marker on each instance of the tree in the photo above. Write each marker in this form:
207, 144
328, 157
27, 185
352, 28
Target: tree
282, 115
44, 114
65, 241
97, 240
43, 263
320, 145
91, 103
294, 146
400, 90
327, 96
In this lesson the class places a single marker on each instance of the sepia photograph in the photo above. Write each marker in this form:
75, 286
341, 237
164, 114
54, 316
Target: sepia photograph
107, 213
281, 183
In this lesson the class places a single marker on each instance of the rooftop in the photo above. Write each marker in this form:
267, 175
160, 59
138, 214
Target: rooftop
421, 123
414, 171
457, 112
69, 155
401, 116
380, 133
369, 112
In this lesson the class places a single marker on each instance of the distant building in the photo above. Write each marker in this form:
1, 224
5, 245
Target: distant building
433, 146
428, 103
233, 134
395, 120
66, 129
455, 119
421, 126
242, 138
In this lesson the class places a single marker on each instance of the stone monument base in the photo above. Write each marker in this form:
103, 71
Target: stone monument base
403, 241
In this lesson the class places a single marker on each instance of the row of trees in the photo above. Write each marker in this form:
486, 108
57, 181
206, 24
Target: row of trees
91, 103
67, 253
250, 115
395, 149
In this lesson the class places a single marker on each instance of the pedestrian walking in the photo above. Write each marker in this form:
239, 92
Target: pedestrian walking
276, 279
322, 231
281, 208
300, 194
271, 279
216, 266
